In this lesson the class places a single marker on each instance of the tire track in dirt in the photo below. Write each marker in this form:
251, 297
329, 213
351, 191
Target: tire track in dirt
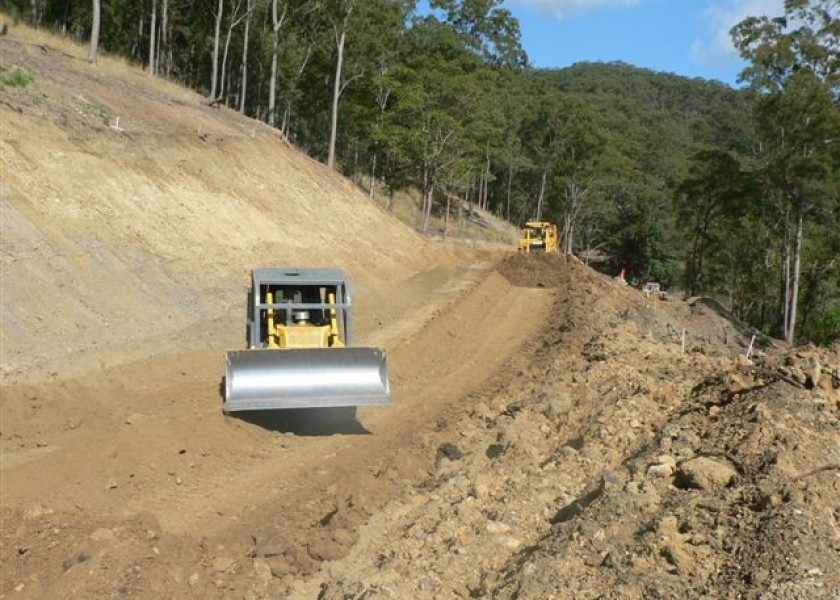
454, 354
151, 436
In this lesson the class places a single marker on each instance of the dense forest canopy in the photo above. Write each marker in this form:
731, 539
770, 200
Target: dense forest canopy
702, 187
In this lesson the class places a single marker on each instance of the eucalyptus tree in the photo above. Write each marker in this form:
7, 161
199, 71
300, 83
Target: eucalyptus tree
373, 56
338, 14
292, 31
490, 31
433, 111
214, 76
152, 37
94, 32
795, 70
705, 199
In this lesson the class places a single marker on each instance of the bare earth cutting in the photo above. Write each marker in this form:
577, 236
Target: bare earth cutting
552, 436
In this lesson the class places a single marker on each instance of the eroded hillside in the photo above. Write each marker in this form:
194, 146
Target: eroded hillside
132, 214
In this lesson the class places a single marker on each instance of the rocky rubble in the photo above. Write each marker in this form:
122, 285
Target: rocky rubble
618, 466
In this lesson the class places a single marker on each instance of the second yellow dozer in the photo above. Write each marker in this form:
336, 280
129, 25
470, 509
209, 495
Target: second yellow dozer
299, 347
539, 236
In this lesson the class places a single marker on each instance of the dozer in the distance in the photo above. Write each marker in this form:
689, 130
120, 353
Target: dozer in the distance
300, 353
539, 236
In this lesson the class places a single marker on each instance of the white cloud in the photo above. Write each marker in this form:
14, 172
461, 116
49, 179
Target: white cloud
714, 51
560, 9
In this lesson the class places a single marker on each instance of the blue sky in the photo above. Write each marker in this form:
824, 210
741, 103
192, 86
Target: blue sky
686, 37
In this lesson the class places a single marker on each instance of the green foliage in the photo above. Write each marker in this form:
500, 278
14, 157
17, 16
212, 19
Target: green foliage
16, 78
684, 181
794, 70
826, 328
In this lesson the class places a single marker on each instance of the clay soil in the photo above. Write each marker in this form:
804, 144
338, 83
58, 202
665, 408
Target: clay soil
554, 434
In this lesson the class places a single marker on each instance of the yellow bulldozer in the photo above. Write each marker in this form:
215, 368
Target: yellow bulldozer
299, 347
539, 236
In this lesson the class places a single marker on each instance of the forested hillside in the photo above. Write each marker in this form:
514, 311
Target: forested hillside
707, 189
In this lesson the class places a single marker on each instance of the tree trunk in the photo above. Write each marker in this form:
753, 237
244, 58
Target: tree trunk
94, 33
152, 33
67, 17
372, 175
214, 78
135, 46
336, 93
786, 278
244, 84
509, 184
797, 260
272, 86
446, 220
427, 199
276, 25
540, 197
225, 90
163, 48
287, 114
224, 79
485, 192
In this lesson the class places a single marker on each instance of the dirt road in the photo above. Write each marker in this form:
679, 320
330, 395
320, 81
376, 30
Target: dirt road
150, 437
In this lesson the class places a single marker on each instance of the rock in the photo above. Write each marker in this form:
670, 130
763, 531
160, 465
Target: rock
660, 470
510, 542
262, 570
279, 568
495, 527
674, 554
223, 563
450, 451
320, 549
667, 459
664, 466
103, 535
703, 473
738, 382
481, 486
193, 580
558, 405
613, 480
37, 511
814, 374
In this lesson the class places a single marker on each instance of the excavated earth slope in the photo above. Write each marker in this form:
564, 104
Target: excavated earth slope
554, 434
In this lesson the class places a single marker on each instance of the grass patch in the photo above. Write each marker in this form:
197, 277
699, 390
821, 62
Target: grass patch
99, 112
16, 78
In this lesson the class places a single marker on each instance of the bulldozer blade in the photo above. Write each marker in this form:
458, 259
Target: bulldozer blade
305, 378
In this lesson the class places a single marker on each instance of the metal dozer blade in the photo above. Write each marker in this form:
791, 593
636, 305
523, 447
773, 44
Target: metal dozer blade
306, 378
299, 332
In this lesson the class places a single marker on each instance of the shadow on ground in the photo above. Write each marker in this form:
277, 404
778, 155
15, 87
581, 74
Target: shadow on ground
307, 421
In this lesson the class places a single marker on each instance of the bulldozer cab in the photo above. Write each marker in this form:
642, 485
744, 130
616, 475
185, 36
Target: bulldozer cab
299, 347
291, 308
539, 236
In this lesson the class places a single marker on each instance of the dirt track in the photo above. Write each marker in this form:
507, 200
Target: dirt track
551, 435
152, 438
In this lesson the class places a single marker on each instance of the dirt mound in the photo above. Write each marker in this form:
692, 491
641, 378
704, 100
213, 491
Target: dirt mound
617, 465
